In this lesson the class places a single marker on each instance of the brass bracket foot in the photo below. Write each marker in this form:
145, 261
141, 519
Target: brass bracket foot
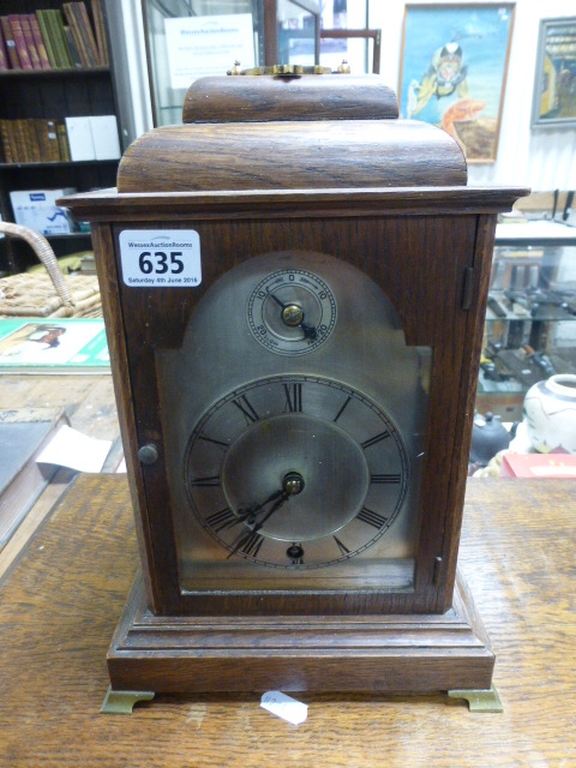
122, 702
486, 700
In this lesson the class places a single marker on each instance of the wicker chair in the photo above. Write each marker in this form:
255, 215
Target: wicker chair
46, 295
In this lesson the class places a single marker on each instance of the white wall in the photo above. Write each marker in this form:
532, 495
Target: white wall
540, 159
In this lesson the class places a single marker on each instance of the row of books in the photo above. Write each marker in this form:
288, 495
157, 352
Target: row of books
34, 141
54, 39
41, 140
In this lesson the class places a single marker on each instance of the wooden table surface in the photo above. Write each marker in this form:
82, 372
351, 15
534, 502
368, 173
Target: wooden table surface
88, 401
61, 597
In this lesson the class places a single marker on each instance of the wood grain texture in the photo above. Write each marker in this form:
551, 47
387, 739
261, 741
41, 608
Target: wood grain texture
388, 653
106, 205
404, 250
291, 155
59, 607
110, 278
391, 251
89, 404
308, 97
87, 399
309, 132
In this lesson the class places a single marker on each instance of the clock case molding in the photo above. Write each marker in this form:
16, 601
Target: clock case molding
259, 165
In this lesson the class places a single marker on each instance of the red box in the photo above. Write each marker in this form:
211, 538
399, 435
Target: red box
538, 465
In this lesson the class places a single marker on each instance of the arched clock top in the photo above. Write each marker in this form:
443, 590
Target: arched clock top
244, 138
293, 312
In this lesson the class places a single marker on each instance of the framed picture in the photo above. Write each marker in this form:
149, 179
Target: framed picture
453, 68
554, 102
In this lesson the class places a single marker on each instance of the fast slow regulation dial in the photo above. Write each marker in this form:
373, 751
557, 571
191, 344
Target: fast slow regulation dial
291, 311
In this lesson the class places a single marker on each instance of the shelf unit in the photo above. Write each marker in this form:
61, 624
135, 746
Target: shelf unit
530, 330
53, 94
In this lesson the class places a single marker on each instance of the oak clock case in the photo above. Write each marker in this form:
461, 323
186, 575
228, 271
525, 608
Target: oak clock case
295, 460
297, 419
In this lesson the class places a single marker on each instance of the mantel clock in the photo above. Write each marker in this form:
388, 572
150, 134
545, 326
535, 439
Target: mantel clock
294, 284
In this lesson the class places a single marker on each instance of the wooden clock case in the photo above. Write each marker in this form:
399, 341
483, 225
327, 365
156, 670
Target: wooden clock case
259, 165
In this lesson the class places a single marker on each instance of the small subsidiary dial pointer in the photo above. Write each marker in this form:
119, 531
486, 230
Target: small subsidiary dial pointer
293, 316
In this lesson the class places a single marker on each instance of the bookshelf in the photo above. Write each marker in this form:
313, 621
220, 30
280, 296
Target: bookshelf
50, 104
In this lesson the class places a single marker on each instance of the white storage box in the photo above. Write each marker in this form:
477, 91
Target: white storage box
37, 209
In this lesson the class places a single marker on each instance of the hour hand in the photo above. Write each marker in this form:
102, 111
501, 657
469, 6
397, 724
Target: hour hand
292, 484
248, 514
253, 527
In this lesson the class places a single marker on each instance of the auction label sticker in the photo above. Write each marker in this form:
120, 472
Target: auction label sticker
160, 259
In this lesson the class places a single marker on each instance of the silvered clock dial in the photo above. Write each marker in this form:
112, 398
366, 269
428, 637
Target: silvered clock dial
296, 471
296, 454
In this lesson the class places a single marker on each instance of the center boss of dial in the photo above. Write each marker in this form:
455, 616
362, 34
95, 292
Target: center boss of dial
292, 315
295, 454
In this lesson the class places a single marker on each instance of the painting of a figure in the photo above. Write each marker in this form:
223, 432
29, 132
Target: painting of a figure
554, 104
453, 71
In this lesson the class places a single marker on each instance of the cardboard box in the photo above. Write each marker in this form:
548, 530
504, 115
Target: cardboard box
37, 210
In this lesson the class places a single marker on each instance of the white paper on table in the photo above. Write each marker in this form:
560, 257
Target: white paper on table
284, 706
70, 448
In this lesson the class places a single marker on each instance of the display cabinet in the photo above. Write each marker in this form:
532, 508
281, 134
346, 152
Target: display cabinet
194, 39
294, 36
188, 39
530, 331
